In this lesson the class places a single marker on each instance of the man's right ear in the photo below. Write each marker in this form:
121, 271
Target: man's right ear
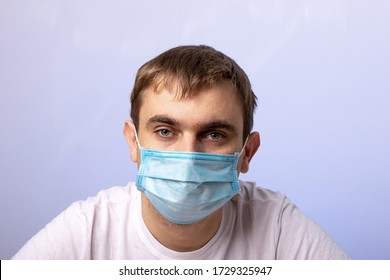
129, 133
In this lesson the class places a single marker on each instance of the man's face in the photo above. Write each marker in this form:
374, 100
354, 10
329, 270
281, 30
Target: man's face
211, 121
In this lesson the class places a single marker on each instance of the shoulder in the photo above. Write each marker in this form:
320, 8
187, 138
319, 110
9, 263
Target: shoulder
70, 235
261, 204
252, 194
295, 235
109, 197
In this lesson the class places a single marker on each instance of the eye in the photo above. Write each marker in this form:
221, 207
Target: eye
215, 136
164, 132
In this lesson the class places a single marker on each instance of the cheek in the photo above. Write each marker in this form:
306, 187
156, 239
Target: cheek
138, 159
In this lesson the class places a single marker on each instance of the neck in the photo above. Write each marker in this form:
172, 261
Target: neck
180, 238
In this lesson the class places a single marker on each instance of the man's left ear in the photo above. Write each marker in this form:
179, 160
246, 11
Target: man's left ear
251, 147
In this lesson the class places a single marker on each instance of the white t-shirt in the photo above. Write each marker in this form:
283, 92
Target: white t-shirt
256, 224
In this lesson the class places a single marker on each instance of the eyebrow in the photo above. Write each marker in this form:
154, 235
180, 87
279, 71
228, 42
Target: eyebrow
162, 119
213, 125
217, 125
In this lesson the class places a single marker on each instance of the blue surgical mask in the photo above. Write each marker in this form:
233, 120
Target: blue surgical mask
186, 187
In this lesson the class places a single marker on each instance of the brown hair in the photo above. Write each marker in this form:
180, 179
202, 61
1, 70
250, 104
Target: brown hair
184, 70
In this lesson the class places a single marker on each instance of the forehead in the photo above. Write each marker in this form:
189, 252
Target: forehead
219, 103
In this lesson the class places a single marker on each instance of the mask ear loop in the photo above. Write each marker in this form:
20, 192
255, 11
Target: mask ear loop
137, 140
243, 147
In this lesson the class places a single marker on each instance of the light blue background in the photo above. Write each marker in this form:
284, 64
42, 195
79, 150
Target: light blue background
321, 70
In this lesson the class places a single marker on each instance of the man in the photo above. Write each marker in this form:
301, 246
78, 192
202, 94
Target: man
190, 134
